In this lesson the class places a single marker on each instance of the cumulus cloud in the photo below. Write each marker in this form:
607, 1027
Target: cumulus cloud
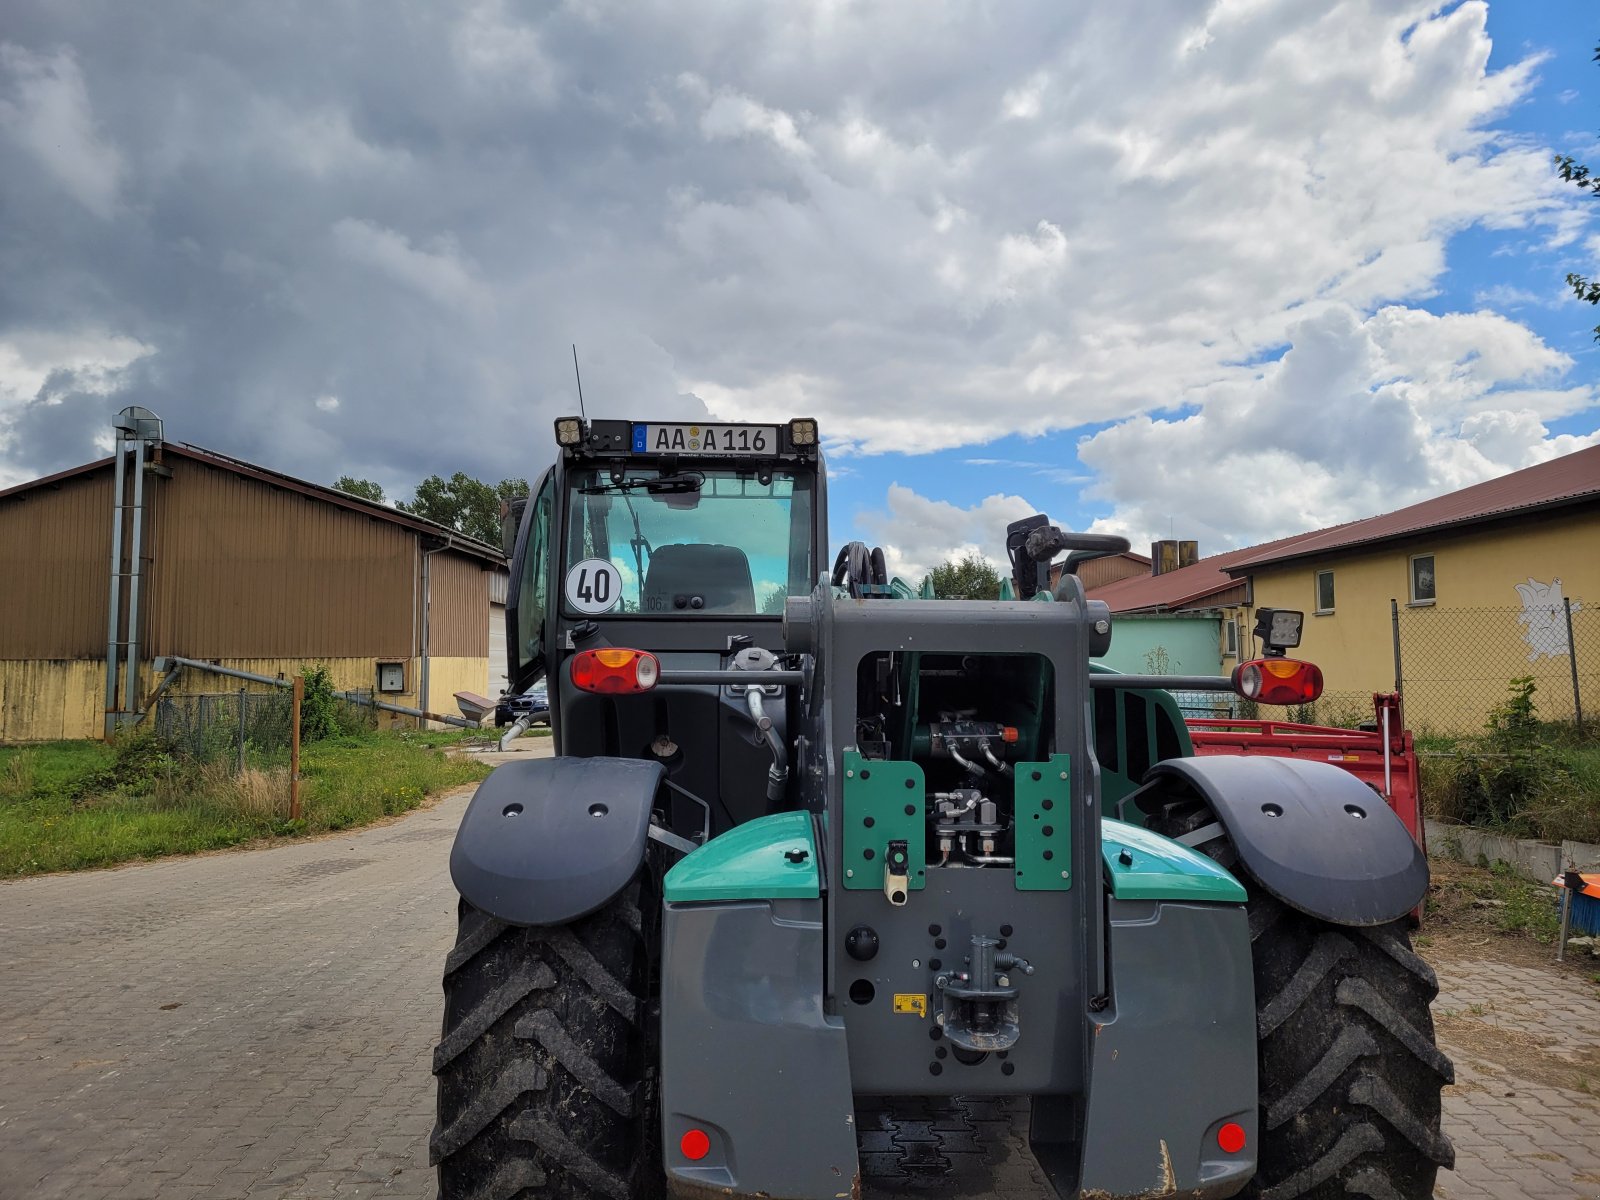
918, 533
1359, 416
1027, 219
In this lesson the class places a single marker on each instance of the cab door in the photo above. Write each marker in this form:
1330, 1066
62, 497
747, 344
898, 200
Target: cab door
528, 596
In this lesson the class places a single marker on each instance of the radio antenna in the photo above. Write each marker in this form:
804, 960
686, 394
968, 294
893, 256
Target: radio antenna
579, 375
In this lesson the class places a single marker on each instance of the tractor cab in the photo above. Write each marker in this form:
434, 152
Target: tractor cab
684, 541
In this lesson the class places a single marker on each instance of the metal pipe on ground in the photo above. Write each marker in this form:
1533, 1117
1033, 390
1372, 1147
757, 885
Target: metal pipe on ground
166, 662
515, 730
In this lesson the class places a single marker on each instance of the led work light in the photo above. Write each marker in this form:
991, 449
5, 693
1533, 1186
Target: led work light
569, 431
803, 431
1278, 629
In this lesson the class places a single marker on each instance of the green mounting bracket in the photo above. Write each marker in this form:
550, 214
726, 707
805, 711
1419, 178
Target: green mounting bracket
1044, 824
883, 802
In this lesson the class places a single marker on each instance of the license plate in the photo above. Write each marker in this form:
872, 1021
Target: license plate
705, 439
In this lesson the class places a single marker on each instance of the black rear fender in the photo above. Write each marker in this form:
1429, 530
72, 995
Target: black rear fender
550, 840
1312, 835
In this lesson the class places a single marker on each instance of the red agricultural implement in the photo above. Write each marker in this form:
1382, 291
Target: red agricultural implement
1382, 757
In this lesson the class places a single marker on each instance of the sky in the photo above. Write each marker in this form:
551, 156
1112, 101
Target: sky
1223, 271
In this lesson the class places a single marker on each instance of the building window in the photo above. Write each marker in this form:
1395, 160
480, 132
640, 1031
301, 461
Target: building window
1230, 638
1324, 591
1422, 583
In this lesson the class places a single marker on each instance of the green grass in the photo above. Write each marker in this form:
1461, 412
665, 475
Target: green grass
65, 805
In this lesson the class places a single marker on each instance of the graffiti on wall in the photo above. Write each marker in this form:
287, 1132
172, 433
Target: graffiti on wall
1543, 619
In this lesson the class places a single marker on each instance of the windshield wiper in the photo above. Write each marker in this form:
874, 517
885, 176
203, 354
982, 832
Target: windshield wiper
659, 485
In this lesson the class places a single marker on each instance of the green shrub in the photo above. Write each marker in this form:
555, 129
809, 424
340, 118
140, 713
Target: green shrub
1527, 777
319, 708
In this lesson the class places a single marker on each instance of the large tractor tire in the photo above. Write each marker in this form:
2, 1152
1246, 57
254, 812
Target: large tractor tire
1350, 1073
546, 1082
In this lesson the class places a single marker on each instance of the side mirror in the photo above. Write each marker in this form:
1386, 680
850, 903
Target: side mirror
510, 522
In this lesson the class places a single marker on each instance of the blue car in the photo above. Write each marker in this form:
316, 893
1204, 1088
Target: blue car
536, 700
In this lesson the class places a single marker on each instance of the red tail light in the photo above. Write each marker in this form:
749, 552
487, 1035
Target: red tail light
1278, 681
614, 671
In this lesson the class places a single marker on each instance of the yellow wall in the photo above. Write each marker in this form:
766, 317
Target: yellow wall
447, 676
46, 700
1476, 570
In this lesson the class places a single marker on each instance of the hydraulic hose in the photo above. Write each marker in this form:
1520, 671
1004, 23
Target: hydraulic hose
778, 772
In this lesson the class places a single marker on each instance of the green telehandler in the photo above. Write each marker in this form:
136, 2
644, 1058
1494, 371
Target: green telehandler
810, 837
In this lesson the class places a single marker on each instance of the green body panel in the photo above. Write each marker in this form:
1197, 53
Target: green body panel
1131, 747
877, 794
1044, 827
1161, 868
750, 862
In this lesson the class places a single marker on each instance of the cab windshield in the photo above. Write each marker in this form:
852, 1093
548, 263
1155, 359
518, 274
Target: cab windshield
681, 543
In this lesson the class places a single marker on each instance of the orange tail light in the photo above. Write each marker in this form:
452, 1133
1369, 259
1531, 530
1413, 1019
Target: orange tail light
1278, 681
613, 671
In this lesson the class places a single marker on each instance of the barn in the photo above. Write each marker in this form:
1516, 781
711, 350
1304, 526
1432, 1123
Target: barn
167, 549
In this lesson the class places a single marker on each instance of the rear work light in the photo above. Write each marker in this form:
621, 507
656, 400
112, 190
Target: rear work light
803, 431
1278, 681
569, 431
615, 672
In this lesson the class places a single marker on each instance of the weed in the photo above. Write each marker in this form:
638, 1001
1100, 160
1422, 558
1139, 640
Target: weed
1524, 776
20, 777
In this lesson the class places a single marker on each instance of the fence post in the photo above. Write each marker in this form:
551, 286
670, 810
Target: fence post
1394, 622
1572, 659
241, 732
294, 749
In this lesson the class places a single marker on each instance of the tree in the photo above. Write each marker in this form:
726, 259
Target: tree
467, 505
364, 488
1575, 173
970, 578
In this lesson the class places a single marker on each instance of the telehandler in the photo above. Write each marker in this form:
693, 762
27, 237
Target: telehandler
809, 836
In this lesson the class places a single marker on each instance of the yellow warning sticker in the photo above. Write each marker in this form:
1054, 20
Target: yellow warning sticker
915, 1003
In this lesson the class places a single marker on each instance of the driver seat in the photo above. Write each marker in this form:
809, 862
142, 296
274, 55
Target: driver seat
699, 577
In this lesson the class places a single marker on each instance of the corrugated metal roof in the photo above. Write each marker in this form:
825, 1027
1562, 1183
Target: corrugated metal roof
1570, 479
317, 491
1187, 586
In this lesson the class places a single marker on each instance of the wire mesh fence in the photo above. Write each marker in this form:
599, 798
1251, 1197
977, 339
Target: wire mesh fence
239, 730
1458, 664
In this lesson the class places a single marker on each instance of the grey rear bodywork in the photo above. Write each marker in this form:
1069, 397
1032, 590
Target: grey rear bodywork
749, 1055
769, 1026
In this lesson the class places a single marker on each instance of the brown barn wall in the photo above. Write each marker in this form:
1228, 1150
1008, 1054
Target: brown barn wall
244, 569
1098, 572
55, 570
458, 625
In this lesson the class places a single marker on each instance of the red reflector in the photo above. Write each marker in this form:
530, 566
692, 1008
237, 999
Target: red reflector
1278, 681
695, 1145
1231, 1138
615, 671
1008, 734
